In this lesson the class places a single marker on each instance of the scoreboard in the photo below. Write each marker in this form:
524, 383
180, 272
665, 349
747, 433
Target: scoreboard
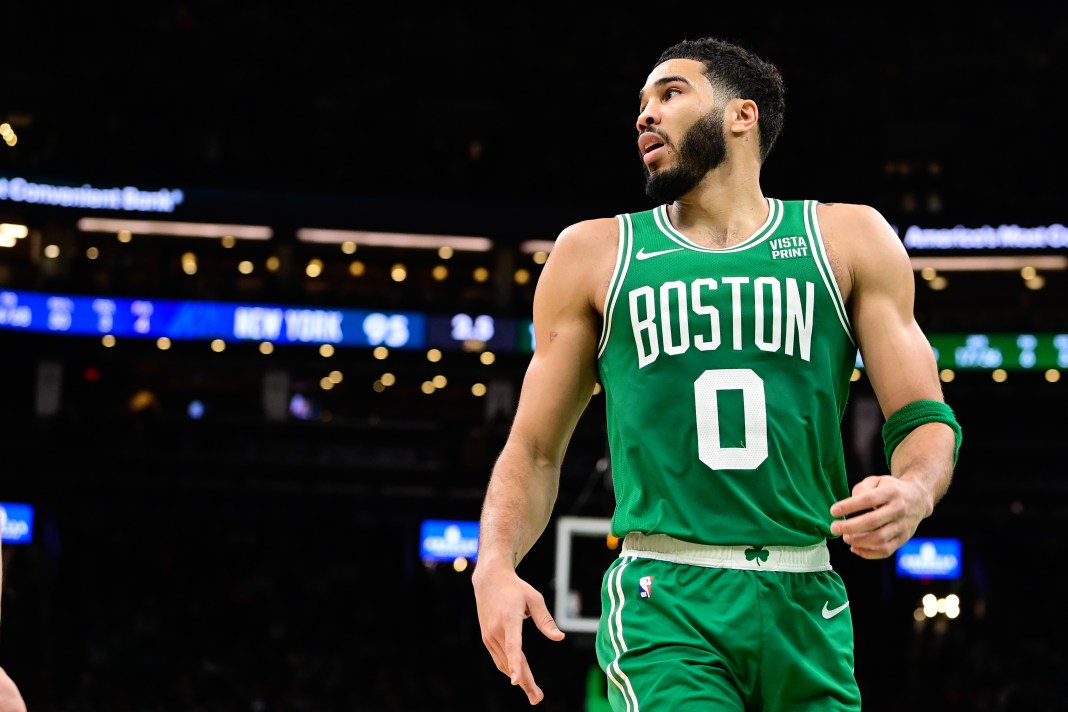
1038, 351
233, 322
189, 320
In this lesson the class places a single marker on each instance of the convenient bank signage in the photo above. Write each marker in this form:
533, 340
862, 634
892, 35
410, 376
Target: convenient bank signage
929, 559
127, 198
16, 521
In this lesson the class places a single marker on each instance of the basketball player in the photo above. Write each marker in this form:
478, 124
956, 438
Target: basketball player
724, 326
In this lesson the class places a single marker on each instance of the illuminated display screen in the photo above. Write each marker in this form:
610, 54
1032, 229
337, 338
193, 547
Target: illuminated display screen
985, 352
986, 237
929, 559
233, 322
127, 198
17, 522
481, 332
471, 332
1007, 351
447, 540
193, 320
525, 335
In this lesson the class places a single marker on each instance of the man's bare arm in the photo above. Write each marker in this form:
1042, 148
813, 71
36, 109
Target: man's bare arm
523, 485
884, 512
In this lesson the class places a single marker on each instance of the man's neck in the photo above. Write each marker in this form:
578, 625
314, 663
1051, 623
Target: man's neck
720, 213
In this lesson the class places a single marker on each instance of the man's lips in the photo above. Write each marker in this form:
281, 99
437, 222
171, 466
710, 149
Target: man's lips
649, 145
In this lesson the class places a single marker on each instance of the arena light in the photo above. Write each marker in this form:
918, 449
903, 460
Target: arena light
395, 239
529, 247
175, 229
8, 134
11, 233
989, 263
14, 230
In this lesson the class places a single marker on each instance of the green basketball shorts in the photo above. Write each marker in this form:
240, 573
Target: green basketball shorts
686, 627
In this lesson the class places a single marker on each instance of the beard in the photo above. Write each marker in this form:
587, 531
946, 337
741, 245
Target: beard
703, 148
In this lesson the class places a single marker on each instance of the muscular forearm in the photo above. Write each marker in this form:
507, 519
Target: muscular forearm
519, 501
925, 457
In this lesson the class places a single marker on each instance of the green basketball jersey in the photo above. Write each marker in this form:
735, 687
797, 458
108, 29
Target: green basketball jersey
726, 373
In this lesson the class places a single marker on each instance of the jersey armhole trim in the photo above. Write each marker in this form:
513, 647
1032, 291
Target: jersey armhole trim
823, 264
619, 273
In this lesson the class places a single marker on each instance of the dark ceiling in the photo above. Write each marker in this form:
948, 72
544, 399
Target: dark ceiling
527, 101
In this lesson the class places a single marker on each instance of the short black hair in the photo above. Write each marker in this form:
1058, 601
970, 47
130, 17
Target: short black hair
740, 74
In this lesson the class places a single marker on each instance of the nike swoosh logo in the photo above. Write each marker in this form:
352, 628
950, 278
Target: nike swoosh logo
830, 613
643, 255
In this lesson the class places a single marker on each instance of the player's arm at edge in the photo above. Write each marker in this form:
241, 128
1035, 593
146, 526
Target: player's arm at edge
557, 387
524, 483
898, 358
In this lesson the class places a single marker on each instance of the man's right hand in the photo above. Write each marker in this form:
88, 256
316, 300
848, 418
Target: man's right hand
504, 601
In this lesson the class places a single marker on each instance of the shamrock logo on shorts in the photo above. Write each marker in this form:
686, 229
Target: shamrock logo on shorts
757, 552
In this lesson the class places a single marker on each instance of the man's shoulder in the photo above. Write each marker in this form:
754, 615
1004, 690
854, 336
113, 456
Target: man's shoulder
847, 211
857, 232
585, 251
607, 227
591, 232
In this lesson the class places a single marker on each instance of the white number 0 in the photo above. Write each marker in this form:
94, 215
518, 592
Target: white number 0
706, 397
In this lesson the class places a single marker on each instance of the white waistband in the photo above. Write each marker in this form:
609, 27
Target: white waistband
754, 558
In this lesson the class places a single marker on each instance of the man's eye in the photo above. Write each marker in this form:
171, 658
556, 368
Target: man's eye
670, 93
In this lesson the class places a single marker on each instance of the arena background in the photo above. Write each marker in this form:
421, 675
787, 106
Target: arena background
216, 528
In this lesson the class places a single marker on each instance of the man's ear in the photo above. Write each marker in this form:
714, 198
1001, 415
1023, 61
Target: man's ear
742, 116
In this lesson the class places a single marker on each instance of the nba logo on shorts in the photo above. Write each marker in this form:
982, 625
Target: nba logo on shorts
645, 587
